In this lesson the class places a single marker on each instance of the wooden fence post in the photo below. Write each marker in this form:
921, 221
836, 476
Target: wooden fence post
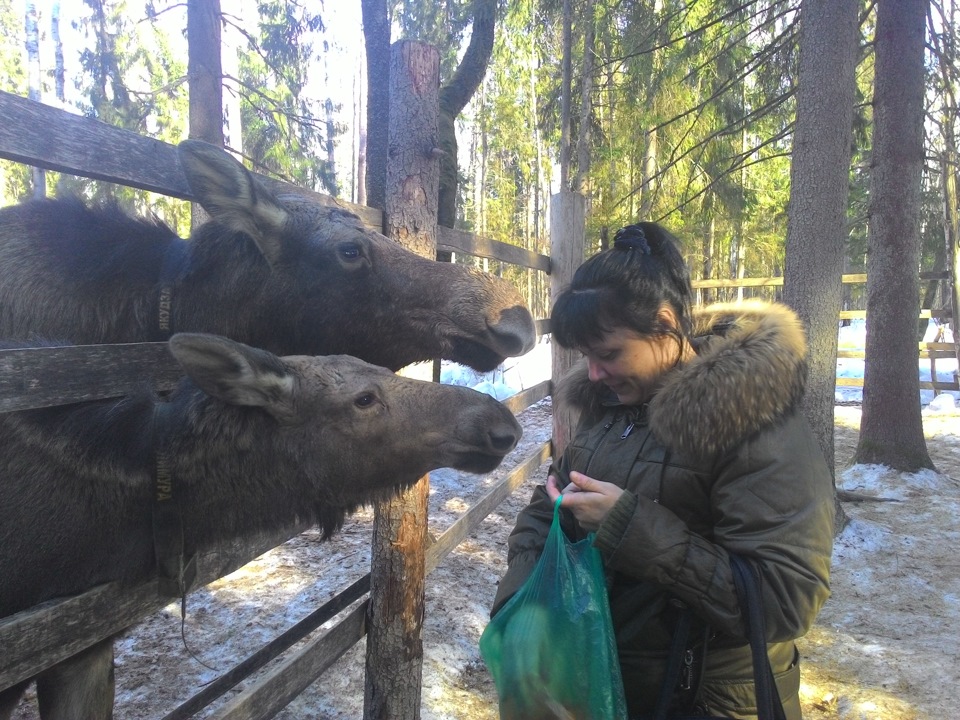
567, 243
394, 665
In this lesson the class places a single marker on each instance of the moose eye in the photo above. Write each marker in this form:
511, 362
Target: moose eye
350, 251
365, 400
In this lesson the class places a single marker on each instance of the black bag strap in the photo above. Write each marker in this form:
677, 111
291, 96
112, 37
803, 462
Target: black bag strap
747, 582
678, 647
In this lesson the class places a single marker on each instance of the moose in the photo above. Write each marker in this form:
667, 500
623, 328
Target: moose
275, 270
248, 441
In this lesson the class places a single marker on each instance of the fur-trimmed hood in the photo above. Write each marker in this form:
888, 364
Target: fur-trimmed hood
749, 372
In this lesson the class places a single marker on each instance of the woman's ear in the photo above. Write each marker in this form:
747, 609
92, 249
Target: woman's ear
667, 318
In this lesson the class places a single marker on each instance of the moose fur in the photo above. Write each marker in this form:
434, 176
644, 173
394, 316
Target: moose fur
279, 272
253, 442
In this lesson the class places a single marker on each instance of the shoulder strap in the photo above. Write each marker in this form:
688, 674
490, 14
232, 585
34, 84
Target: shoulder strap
675, 655
747, 581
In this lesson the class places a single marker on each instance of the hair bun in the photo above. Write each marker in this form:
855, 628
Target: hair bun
631, 237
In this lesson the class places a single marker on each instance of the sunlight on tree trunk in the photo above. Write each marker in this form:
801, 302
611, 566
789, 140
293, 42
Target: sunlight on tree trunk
819, 181
891, 429
816, 230
376, 40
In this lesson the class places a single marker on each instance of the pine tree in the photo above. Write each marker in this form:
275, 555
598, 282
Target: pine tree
891, 429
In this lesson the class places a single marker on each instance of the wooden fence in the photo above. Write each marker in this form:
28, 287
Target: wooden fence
929, 351
35, 639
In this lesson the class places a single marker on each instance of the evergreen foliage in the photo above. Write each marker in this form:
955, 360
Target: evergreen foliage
690, 113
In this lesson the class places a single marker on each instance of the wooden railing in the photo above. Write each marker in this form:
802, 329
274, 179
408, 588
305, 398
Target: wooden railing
40, 637
931, 351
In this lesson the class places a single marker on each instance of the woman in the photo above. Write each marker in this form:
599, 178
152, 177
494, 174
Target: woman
690, 445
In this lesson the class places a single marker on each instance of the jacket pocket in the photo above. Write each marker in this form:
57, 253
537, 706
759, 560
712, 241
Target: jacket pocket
735, 697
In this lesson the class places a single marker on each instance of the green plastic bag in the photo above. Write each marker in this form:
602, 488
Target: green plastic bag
551, 648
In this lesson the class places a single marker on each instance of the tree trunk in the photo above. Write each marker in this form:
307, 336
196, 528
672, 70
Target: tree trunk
205, 71
330, 134
360, 117
819, 182
951, 232
649, 170
584, 145
567, 239
376, 40
394, 665
950, 169
565, 90
33, 84
454, 96
891, 428
59, 73
709, 250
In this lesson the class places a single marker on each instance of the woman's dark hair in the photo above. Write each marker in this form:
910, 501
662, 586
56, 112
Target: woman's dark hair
625, 286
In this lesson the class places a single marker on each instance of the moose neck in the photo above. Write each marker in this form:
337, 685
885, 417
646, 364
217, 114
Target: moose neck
217, 287
226, 474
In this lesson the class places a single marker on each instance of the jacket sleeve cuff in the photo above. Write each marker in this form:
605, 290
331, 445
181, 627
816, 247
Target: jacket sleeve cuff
614, 525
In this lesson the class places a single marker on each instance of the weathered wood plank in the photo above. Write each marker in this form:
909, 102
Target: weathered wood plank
40, 377
276, 690
271, 650
471, 519
451, 240
524, 399
923, 355
84, 146
37, 638
848, 279
924, 384
925, 314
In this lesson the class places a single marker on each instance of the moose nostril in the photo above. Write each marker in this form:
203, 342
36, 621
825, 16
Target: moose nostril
514, 331
503, 439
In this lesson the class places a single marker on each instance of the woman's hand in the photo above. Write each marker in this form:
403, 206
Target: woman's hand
588, 499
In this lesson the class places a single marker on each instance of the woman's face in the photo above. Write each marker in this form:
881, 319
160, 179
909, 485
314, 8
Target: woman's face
630, 364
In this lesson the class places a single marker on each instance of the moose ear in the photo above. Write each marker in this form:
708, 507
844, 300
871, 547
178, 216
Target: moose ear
235, 373
232, 196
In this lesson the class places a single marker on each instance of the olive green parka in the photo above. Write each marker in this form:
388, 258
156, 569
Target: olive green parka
720, 460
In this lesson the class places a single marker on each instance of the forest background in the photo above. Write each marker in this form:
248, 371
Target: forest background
683, 111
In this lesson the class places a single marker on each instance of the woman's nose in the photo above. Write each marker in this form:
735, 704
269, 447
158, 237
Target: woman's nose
595, 371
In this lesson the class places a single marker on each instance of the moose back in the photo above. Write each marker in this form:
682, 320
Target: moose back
248, 442
276, 271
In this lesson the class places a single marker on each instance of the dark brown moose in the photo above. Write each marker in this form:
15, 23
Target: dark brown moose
249, 441
279, 272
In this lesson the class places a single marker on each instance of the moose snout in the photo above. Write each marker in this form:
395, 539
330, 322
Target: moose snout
503, 439
514, 331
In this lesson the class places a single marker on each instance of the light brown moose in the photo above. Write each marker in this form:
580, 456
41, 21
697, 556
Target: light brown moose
251, 441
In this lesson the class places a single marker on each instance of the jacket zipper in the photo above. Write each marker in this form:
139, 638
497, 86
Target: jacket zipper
603, 438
